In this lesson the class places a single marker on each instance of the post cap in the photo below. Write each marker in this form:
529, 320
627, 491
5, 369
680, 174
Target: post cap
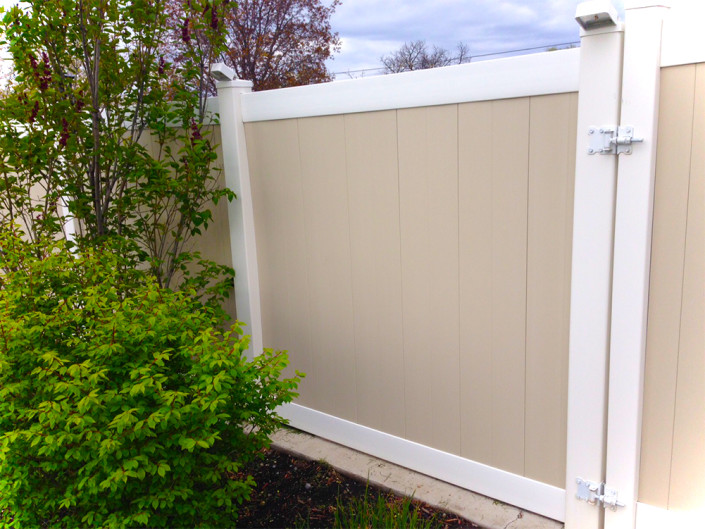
596, 14
222, 72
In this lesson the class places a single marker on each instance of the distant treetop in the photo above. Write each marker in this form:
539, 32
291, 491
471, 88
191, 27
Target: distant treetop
416, 55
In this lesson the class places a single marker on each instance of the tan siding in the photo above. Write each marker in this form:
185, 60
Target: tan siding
428, 183
373, 187
551, 168
668, 250
688, 467
280, 232
322, 144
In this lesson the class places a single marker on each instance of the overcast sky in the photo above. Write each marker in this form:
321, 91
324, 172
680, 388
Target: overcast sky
371, 28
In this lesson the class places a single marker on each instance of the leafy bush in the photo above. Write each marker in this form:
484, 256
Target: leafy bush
120, 402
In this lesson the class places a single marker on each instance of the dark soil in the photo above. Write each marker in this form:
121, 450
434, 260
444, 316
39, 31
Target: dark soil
294, 492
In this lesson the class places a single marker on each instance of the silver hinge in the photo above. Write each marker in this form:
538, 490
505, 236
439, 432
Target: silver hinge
612, 140
597, 493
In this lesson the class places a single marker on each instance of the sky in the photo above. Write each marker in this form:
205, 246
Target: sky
370, 29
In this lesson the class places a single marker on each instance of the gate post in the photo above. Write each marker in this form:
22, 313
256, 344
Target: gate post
240, 211
593, 228
632, 256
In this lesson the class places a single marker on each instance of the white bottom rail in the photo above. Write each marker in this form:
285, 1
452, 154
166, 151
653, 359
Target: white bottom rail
516, 490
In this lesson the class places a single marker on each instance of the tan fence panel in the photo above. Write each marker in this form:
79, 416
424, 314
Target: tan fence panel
673, 461
412, 247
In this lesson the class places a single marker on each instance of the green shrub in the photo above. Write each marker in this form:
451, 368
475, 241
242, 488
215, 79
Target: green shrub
120, 402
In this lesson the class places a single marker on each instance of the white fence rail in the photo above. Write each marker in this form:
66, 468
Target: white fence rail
529, 75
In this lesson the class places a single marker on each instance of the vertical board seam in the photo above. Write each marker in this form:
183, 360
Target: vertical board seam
311, 352
401, 278
526, 276
493, 457
457, 198
350, 244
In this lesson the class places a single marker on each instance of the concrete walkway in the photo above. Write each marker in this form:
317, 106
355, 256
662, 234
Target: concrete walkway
483, 511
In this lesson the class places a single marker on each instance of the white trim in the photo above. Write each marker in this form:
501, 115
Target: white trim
510, 488
683, 35
69, 222
212, 113
237, 83
240, 211
593, 225
542, 73
632, 259
650, 517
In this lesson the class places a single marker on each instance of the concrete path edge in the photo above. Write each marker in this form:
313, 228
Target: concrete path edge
483, 511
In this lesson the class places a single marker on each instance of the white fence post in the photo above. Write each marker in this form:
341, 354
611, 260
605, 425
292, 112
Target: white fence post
240, 210
593, 225
632, 256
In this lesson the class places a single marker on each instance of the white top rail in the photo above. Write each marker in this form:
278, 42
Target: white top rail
527, 75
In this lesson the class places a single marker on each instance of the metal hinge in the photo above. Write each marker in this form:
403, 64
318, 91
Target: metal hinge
611, 139
597, 493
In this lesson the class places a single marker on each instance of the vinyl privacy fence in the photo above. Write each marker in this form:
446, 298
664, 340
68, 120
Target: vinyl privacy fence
474, 295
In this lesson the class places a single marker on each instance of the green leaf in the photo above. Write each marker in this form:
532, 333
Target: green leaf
188, 444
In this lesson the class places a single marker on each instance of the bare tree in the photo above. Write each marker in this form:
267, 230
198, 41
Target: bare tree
462, 51
416, 55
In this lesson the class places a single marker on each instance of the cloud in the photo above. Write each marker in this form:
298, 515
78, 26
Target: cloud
372, 28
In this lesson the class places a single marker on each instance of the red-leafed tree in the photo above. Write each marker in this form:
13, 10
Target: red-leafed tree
279, 43
273, 43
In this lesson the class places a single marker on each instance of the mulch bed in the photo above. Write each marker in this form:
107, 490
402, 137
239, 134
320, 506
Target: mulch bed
293, 492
